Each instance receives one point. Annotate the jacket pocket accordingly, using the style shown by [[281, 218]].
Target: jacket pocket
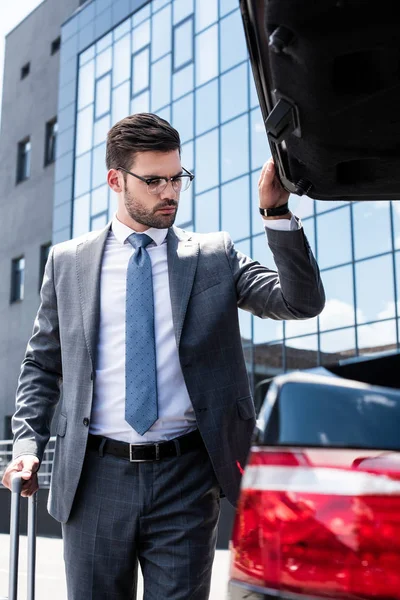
[[246, 408], [61, 425]]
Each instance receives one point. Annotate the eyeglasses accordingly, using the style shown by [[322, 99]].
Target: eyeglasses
[[156, 185]]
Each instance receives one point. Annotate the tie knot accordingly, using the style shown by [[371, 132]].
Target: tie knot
[[139, 240]]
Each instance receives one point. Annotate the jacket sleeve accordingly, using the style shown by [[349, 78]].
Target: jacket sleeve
[[294, 291], [40, 378]]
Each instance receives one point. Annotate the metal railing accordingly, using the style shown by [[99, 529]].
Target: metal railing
[[45, 467]]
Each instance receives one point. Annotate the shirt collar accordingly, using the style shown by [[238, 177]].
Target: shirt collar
[[122, 232]]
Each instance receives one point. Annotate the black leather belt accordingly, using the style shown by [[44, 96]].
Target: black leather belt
[[146, 452]]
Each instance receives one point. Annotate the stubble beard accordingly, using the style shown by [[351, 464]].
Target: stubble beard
[[150, 218]]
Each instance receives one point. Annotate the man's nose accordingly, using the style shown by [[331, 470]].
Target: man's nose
[[169, 191]]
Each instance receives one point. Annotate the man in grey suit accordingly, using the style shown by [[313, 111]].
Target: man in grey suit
[[139, 325]]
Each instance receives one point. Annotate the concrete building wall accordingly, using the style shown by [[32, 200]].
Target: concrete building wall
[[26, 208]]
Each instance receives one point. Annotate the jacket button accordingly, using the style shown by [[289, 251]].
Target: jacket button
[[86, 422]]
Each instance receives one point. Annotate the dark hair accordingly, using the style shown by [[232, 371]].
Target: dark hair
[[142, 132]]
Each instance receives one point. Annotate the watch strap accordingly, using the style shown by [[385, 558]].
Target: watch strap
[[278, 211]]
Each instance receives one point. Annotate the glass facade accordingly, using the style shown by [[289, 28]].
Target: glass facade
[[187, 61]]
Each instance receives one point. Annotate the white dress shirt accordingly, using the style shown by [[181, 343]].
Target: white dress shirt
[[175, 412]]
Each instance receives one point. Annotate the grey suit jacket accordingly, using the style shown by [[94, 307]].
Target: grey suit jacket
[[209, 279]]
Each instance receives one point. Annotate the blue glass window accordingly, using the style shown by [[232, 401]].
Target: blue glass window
[[140, 103], [207, 211], [81, 221], [161, 83], [99, 222], [396, 221], [233, 42], [141, 15], [122, 29], [122, 60], [103, 62], [377, 337], [86, 85], [182, 117], [372, 232], [104, 42], [332, 227], [103, 96], [84, 130], [82, 174], [339, 307], [120, 102], [207, 55], [183, 81], [101, 129], [337, 345], [86, 56], [161, 33], [234, 93], [235, 148], [99, 174], [141, 36], [374, 289], [182, 9], [207, 107], [302, 206], [183, 44], [206, 13], [260, 149], [295, 328], [324, 205], [100, 199], [207, 161], [226, 6], [235, 207], [140, 71]]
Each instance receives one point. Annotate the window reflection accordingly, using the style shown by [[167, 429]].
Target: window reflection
[[226, 6], [182, 117], [101, 129], [396, 221], [99, 172], [104, 42], [206, 13], [99, 222], [207, 107], [207, 161], [81, 221], [337, 345], [372, 234], [207, 55], [141, 36], [122, 60], [207, 211], [301, 327], [141, 15], [82, 174], [260, 150], [235, 198], [122, 29], [374, 288], [324, 205], [183, 81], [161, 33], [86, 85], [183, 44], [140, 103], [235, 148], [84, 130], [140, 71], [161, 83], [339, 307], [103, 62], [234, 93], [120, 102], [182, 9], [103, 96], [233, 43], [301, 352], [100, 199], [302, 206], [377, 337], [332, 227]]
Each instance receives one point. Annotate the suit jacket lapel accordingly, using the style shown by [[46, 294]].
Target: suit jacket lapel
[[183, 254], [89, 256]]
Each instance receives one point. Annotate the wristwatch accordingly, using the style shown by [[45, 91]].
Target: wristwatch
[[278, 211]]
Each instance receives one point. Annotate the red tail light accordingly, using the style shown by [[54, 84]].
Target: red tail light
[[320, 522]]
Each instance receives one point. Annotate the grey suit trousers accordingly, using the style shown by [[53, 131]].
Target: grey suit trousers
[[162, 515]]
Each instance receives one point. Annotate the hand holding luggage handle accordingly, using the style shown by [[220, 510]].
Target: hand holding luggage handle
[[16, 486]]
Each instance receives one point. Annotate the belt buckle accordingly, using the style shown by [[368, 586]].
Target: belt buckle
[[140, 460]]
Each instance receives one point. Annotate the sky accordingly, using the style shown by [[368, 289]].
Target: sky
[[12, 13]]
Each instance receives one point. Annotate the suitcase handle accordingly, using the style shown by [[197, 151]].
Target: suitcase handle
[[16, 486]]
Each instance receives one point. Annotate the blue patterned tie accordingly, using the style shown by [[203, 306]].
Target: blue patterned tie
[[140, 371]]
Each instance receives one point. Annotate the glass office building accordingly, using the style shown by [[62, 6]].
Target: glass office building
[[187, 61]]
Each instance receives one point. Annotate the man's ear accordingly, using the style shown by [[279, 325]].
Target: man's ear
[[115, 180]]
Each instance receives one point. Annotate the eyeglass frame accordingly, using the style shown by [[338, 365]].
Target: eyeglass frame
[[149, 180]]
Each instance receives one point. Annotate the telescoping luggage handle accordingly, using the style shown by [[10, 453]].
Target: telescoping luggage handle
[[16, 486]]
